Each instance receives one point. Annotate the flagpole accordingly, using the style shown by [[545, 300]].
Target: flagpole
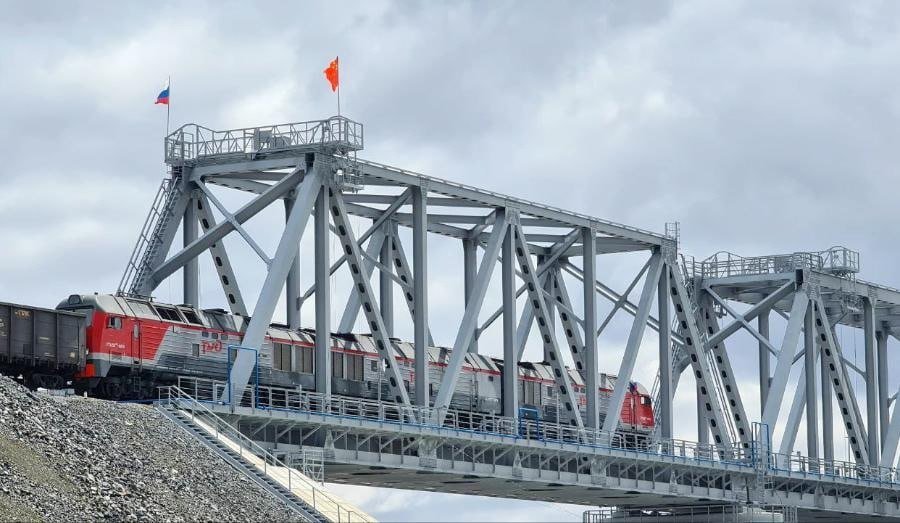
[[338, 60], [169, 104]]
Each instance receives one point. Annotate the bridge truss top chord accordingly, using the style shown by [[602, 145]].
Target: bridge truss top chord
[[314, 169]]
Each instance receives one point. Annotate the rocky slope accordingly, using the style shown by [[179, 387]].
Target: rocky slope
[[77, 459]]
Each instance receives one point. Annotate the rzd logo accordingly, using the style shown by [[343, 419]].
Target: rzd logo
[[210, 346]]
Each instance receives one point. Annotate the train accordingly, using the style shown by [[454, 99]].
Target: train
[[132, 345]]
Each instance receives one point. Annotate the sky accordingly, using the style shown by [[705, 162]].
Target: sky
[[762, 127]]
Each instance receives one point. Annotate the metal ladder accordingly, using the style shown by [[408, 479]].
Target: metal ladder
[[150, 239], [237, 461]]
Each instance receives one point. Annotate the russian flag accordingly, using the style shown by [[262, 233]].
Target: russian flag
[[163, 97]]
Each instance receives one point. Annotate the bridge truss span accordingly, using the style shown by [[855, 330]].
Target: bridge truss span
[[539, 263]]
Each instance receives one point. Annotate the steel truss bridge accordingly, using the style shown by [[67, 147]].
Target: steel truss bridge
[[313, 168]]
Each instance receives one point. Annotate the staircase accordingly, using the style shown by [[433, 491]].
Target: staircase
[[150, 240], [259, 465]]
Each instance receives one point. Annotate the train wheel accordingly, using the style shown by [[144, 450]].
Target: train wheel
[[111, 389]]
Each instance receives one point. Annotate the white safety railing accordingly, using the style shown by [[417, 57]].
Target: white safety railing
[[320, 500], [735, 513], [837, 260], [192, 142], [294, 400]]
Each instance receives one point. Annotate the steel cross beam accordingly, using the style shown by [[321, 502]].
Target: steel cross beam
[[891, 437], [470, 317], [570, 327], [364, 289], [541, 314], [785, 359], [376, 224], [743, 320], [351, 310], [615, 297], [237, 226], [726, 375], [221, 229], [219, 255], [848, 408], [401, 264], [623, 378], [275, 278], [703, 372]]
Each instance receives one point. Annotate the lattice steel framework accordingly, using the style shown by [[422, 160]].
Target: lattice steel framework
[[312, 167]]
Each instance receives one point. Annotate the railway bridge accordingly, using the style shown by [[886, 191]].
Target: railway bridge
[[548, 283]]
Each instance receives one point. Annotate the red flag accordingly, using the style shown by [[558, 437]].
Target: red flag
[[331, 73]]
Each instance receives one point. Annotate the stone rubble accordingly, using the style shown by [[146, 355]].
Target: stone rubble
[[76, 459]]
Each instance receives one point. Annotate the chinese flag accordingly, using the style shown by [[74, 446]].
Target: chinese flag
[[331, 73]]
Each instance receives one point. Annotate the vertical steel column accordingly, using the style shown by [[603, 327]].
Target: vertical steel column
[[292, 284], [827, 414], [420, 292], [871, 379], [764, 371], [589, 266], [812, 408], [323, 295], [191, 269], [386, 284], [510, 381], [881, 338], [665, 357], [470, 270]]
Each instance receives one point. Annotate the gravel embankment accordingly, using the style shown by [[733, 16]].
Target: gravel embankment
[[77, 459]]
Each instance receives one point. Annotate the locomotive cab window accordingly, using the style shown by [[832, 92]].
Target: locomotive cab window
[[168, 313], [114, 322], [191, 317]]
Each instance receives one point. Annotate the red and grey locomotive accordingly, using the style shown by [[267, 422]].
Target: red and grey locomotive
[[135, 344]]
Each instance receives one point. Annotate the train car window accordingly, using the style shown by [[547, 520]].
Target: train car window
[[191, 316], [214, 335], [356, 368], [337, 365], [168, 314], [224, 337], [204, 334], [490, 378], [305, 360], [550, 391], [374, 365], [195, 348], [276, 349], [114, 322]]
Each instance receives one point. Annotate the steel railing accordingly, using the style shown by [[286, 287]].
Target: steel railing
[[836, 260], [270, 398], [718, 512], [294, 400], [320, 500], [192, 142]]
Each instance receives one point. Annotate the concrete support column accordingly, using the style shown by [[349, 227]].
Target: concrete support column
[[191, 270], [470, 270], [386, 284], [665, 356], [510, 379], [323, 295], [292, 284], [812, 409], [871, 380], [764, 371], [881, 338], [827, 414], [420, 295], [591, 372]]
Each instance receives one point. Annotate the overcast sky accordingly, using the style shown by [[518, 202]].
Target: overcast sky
[[763, 127]]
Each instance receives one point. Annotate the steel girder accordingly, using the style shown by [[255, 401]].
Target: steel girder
[[367, 297], [704, 373], [785, 359], [543, 318], [220, 259], [847, 405], [351, 310], [470, 318], [635, 336]]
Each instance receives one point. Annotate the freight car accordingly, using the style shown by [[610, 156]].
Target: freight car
[[137, 344], [44, 346]]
